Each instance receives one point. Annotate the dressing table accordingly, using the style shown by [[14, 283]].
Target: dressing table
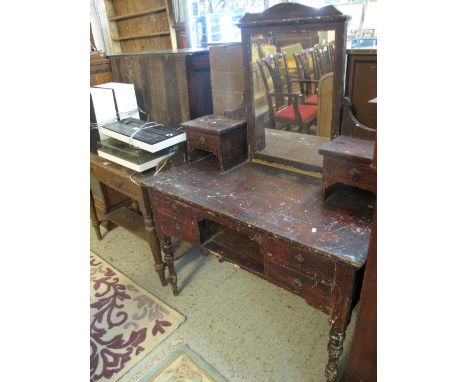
[[269, 218]]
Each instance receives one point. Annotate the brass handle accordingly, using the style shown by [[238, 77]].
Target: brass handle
[[117, 182], [296, 284], [201, 139], [355, 174], [299, 258]]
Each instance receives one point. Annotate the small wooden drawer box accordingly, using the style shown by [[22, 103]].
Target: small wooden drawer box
[[347, 160], [225, 138]]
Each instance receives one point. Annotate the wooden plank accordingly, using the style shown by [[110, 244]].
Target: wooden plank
[[142, 36], [136, 14]]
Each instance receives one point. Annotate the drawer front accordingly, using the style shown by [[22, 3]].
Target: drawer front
[[351, 173], [201, 141], [117, 182], [307, 263], [314, 292], [175, 219]]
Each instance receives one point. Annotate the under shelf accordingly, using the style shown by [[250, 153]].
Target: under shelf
[[236, 247], [130, 220]]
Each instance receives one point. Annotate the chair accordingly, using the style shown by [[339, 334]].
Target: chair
[[284, 105], [308, 81]]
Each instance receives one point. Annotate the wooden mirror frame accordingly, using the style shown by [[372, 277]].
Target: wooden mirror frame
[[281, 18]]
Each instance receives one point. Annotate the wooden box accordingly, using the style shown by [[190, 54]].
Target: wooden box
[[347, 160], [225, 138]]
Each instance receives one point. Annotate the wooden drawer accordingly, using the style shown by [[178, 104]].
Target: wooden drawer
[[115, 181], [314, 292], [352, 173], [176, 219], [203, 141], [310, 264]]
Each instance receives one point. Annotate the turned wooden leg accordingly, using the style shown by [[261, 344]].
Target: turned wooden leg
[[153, 241], [169, 260], [342, 296], [94, 219], [335, 349]]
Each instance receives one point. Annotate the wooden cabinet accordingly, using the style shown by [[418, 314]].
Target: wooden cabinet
[[171, 86], [361, 83]]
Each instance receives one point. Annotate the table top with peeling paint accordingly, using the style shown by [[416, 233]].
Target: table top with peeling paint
[[277, 202]]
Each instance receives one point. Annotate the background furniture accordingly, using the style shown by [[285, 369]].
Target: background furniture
[[361, 83], [225, 138], [171, 86], [136, 26], [138, 219], [100, 69]]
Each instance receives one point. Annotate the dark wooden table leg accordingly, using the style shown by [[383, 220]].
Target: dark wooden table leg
[[169, 260], [343, 293], [94, 219], [152, 238]]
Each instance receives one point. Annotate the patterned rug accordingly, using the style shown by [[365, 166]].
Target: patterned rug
[[127, 322], [183, 365]]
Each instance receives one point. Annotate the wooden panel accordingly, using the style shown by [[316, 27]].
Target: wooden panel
[[167, 88], [227, 77], [141, 25], [199, 85], [314, 292], [202, 141], [361, 83], [175, 219]]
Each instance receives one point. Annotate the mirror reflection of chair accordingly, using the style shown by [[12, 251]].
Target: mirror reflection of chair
[[308, 81], [322, 60], [284, 105]]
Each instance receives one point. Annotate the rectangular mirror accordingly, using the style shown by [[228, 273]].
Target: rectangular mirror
[[293, 59]]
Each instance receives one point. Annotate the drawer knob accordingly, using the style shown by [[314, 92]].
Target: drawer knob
[[117, 182], [201, 139], [355, 174], [296, 284], [299, 258]]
